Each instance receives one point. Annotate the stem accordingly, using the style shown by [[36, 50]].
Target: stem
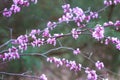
[[21, 75]]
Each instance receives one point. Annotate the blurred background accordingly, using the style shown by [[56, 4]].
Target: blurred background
[[36, 16]]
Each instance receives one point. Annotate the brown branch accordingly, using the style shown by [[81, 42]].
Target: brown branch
[[21, 75], [111, 11]]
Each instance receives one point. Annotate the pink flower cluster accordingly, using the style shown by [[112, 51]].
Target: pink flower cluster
[[43, 77], [113, 40], [75, 33], [37, 42], [111, 2], [115, 24], [91, 74], [22, 42], [16, 7], [51, 25], [11, 54], [77, 15], [77, 51], [98, 32], [99, 65], [34, 32], [72, 65]]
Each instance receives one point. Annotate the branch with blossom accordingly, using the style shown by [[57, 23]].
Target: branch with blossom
[[42, 77], [16, 7], [38, 38]]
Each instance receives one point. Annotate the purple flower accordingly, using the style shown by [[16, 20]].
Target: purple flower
[[72, 65], [67, 17], [51, 41], [91, 74], [107, 40], [77, 51], [26, 3], [110, 23], [66, 8], [34, 32], [78, 12], [118, 46], [46, 33], [115, 40], [99, 65], [23, 47], [43, 77], [98, 32], [12, 54], [37, 42], [87, 18], [55, 60], [108, 2], [21, 39], [51, 25], [94, 15], [7, 13], [117, 24], [16, 2], [15, 8], [75, 33]]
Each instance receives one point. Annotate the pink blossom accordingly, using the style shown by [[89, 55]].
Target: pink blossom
[[77, 51], [108, 2], [46, 33], [110, 23], [51, 25], [21, 39], [87, 18], [117, 24], [72, 65], [75, 33], [118, 46], [66, 8], [16, 2], [37, 42], [23, 47], [43, 77], [98, 32], [66, 18], [12, 54], [51, 41], [93, 15], [78, 12], [15, 8], [7, 13], [26, 3], [91, 74], [55, 60], [99, 65], [34, 32]]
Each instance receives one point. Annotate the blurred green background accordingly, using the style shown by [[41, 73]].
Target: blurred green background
[[36, 17]]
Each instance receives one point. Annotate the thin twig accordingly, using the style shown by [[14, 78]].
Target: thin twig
[[21, 75], [6, 43]]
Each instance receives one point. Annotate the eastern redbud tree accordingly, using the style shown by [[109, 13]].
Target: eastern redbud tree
[[52, 35]]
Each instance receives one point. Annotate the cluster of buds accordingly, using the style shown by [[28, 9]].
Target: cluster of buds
[[72, 65], [11, 54], [16, 7], [115, 24], [111, 2], [77, 15]]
